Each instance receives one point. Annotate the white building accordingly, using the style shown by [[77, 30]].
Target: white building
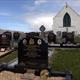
[[67, 19]]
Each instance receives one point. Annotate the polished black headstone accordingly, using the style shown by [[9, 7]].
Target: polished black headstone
[[68, 37], [51, 37], [35, 34], [8, 34], [33, 52], [16, 35], [4, 41]]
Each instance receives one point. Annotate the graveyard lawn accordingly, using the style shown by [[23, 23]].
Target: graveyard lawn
[[8, 57], [67, 59], [77, 39]]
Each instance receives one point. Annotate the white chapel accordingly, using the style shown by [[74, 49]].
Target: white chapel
[[67, 20]]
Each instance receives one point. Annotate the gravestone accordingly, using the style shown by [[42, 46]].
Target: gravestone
[[68, 36], [42, 34], [16, 35], [4, 41], [64, 36], [59, 37], [42, 28], [8, 34], [33, 52], [36, 34], [51, 37]]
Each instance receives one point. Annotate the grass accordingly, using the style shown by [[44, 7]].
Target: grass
[[9, 57], [77, 39], [67, 59]]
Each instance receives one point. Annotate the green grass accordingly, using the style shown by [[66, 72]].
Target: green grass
[[77, 39], [67, 59], [9, 57]]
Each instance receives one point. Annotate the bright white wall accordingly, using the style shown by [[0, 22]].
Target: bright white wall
[[58, 20]]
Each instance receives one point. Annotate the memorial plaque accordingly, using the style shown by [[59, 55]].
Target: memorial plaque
[[33, 52]]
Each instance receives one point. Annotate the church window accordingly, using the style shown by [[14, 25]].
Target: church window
[[66, 20]]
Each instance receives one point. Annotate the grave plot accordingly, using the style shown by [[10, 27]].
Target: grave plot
[[63, 40], [33, 54]]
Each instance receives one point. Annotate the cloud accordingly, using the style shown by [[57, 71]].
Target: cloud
[[34, 6], [35, 21], [4, 14], [38, 2]]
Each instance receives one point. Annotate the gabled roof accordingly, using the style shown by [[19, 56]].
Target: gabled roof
[[67, 6]]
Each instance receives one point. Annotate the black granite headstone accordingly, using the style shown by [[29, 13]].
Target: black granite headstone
[[36, 34], [51, 37], [4, 41], [16, 35], [68, 36], [8, 34], [33, 52]]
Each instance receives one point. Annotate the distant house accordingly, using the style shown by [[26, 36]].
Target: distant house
[[67, 20]]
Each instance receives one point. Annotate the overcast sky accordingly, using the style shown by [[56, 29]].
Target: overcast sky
[[29, 15]]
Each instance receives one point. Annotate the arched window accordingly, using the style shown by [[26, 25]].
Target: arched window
[[66, 20]]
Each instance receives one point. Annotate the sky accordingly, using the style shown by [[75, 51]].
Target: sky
[[29, 15]]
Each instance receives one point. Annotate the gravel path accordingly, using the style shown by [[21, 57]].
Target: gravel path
[[6, 75]]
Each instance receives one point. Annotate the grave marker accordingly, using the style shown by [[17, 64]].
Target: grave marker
[[42, 34], [33, 52], [59, 37], [4, 41], [51, 37], [16, 35], [68, 36]]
